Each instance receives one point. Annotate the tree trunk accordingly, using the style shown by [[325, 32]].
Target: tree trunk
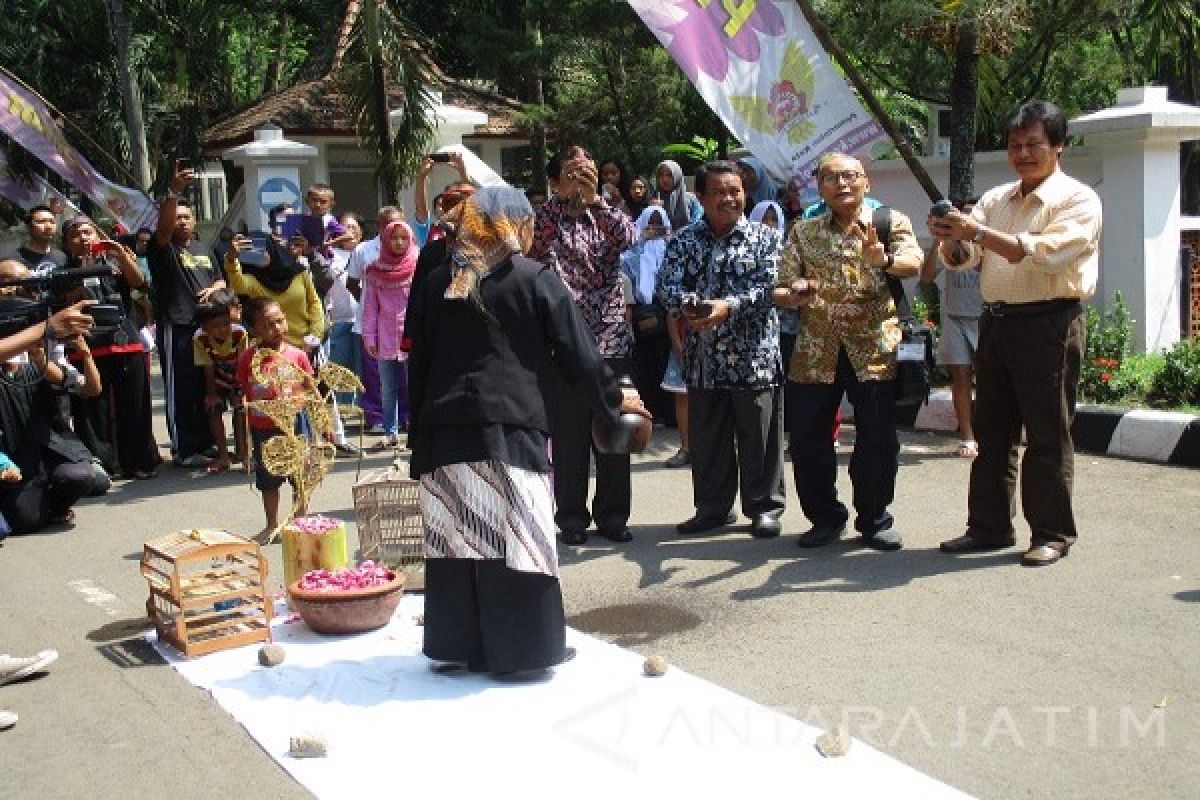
[[131, 94], [273, 80], [964, 94], [388, 178], [537, 136]]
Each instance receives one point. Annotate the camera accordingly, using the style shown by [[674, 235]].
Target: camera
[[694, 307], [440, 158], [941, 208], [51, 292]]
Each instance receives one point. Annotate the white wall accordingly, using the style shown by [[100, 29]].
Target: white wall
[[893, 184]]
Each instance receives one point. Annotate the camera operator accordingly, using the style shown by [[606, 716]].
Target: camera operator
[[183, 275], [116, 425], [55, 467]]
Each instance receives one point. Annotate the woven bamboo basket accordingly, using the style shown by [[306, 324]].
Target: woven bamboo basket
[[390, 529]]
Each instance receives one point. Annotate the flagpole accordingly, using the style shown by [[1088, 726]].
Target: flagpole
[[856, 79]]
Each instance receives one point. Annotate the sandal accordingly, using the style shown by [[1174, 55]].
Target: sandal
[[968, 448], [217, 467]]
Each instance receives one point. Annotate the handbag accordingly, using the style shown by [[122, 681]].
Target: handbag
[[914, 354], [649, 319]]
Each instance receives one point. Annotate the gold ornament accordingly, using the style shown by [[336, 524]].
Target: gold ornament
[[304, 459]]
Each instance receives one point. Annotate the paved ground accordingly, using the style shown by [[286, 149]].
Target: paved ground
[[1003, 681]]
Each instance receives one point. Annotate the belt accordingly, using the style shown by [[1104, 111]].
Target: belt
[[1030, 309]]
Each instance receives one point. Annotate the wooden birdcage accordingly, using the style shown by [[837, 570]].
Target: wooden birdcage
[[390, 529], [207, 591]]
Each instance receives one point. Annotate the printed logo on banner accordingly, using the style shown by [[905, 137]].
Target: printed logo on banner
[[760, 67]]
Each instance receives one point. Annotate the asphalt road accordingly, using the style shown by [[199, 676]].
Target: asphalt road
[[1075, 681]]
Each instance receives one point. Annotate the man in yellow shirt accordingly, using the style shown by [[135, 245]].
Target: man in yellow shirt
[[1035, 242]]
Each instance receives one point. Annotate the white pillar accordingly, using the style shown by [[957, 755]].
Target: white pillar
[[1138, 141], [272, 166]]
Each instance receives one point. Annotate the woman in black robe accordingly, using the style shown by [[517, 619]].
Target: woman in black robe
[[482, 327]]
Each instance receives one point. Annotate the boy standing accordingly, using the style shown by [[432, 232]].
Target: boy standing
[[216, 347]]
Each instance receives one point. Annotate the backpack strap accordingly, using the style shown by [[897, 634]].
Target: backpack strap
[[881, 218]]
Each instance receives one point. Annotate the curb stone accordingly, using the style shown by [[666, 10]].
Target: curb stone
[[1164, 437]]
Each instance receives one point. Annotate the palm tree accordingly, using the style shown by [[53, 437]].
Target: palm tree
[[381, 58]]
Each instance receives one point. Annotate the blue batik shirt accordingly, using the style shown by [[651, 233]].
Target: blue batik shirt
[[740, 268]]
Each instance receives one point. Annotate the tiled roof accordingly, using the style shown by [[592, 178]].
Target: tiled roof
[[316, 106]]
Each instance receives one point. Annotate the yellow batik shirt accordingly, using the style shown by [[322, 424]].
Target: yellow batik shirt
[[853, 307]]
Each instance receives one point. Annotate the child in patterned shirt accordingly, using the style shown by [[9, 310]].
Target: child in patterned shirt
[[215, 348]]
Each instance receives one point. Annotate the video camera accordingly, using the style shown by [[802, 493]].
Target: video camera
[[52, 293]]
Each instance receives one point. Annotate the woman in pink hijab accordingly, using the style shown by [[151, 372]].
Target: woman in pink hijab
[[387, 283]]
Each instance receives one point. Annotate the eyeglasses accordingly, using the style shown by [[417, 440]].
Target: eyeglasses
[[845, 175], [1030, 147]]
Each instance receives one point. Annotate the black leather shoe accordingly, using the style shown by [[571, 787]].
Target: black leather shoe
[[573, 537], [699, 524], [970, 543], [821, 535], [765, 526], [620, 537], [1043, 555]]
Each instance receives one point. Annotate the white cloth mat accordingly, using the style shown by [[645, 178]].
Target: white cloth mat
[[596, 728]]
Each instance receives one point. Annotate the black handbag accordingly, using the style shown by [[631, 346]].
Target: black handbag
[[914, 354]]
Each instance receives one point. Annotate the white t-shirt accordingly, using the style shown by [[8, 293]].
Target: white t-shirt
[[341, 304], [363, 256]]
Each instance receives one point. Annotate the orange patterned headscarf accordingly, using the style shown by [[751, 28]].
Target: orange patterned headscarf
[[490, 226]]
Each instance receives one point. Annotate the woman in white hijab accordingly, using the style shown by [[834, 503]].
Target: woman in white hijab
[[652, 344], [671, 191], [769, 213]]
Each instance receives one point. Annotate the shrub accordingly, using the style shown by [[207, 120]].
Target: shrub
[[1106, 350], [1136, 375], [1178, 383]]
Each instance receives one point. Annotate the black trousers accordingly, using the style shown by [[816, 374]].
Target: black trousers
[[117, 424], [30, 507], [492, 618], [811, 409], [736, 434], [650, 362], [571, 444], [187, 421], [1026, 375]]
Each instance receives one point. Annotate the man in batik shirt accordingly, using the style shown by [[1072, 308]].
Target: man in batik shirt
[[581, 237], [834, 269], [720, 273]]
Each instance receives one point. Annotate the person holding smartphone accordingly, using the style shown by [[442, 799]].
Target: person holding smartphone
[[116, 425]]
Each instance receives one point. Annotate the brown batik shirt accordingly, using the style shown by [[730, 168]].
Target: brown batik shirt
[[853, 307]]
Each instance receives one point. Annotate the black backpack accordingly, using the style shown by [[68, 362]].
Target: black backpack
[[914, 355]]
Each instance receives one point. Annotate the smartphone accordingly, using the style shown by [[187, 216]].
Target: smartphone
[[98, 247], [256, 255], [440, 158]]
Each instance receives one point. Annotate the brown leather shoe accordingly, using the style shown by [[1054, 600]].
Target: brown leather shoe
[[1043, 555], [970, 543]]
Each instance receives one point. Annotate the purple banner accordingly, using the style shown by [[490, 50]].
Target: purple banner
[[27, 120]]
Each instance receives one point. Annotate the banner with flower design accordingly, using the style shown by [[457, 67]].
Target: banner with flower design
[[38, 192], [760, 67], [25, 118]]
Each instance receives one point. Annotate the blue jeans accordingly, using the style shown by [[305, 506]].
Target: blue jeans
[[344, 347], [393, 382]]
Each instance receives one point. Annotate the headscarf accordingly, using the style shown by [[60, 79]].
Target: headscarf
[[760, 211], [652, 251], [765, 190], [675, 201], [280, 271], [490, 226], [391, 268]]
